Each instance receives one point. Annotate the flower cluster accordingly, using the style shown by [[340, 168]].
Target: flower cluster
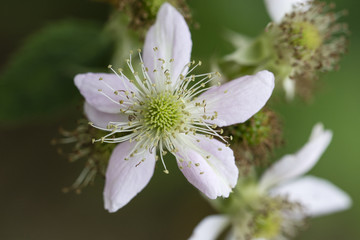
[[275, 206], [304, 39], [160, 108], [164, 108], [309, 38]]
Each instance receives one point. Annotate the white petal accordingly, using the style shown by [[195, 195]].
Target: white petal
[[171, 35], [318, 196], [292, 166], [89, 86], [214, 176], [289, 87], [101, 119], [317, 131], [278, 8], [126, 178], [210, 227], [236, 101]]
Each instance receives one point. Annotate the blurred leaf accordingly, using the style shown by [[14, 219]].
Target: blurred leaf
[[38, 79], [249, 51], [125, 39]]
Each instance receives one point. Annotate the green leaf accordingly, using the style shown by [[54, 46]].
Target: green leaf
[[38, 79]]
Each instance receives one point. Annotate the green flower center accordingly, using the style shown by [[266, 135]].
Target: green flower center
[[308, 35], [164, 113], [268, 226]]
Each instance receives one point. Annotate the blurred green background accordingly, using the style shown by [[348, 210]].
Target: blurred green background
[[39, 100]]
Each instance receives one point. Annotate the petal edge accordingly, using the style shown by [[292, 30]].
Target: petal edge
[[126, 178]]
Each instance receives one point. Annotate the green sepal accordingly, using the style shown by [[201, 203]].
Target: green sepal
[[249, 51]]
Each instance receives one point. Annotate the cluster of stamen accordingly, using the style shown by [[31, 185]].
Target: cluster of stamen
[[96, 157], [273, 218], [164, 113], [143, 13], [159, 108], [255, 214], [310, 40]]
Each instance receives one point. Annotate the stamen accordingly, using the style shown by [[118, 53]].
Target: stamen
[[160, 110]]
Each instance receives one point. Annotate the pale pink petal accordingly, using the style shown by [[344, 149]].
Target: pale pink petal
[[94, 90], [171, 35], [317, 196], [236, 101], [102, 119], [293, 166], [126, 178], [209, 165], [210, 227], [278, 8]]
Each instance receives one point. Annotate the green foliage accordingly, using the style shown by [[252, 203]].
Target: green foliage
[[38, 79]]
